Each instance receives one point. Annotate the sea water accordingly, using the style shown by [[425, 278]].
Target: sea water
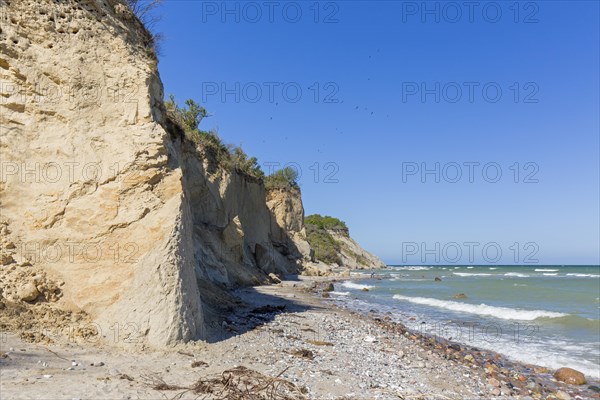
[[543, 315]]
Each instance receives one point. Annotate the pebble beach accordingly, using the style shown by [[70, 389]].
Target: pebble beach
[[298, 342]]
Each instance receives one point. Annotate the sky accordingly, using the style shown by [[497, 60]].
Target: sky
[[440, 132]]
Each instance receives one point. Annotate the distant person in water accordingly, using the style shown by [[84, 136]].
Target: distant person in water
[[372, 273]]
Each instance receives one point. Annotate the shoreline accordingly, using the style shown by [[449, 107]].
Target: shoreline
[[287, 333]]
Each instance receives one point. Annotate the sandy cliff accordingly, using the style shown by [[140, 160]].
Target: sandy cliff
[[105, 207]]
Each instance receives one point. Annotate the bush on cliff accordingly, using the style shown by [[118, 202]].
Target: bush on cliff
[[227, 156], [326, 222], [285, 178], [326, 248]]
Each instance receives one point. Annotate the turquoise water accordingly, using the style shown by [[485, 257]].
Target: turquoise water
[[544, 315]]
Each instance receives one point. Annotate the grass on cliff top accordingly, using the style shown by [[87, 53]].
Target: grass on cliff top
[[145, 12], [227, 156]]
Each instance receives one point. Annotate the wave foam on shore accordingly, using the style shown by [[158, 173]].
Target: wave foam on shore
[[482, 309], [357, 286]]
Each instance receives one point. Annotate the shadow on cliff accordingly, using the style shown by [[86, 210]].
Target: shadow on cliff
[[237, 241]]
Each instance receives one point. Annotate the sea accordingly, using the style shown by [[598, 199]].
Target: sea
[[542, 315]]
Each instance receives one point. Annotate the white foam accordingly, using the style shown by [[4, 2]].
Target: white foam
[[470, 274], [493, 268], [516, 274], [549, 274], [340, 293], [584, 275], [470, 267], [357, 286], [482, 309], [545, 270], [414, 268]]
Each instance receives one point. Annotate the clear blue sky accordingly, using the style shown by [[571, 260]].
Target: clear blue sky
[[363, 116]]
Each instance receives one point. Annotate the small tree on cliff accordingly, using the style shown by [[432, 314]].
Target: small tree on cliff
[[282, 179], [227, 156], [193, 115]]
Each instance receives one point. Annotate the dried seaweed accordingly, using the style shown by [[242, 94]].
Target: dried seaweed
[[239, 383]]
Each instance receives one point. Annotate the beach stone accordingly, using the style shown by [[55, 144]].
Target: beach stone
[[569, 375], [454, 346], [496, 392], [365, 289], [494, 382], [6, 259], [459, 296], [329, 287], [560, 395], [28, 292], [594, 388], [274, 278], [438, 279], [469, 358]]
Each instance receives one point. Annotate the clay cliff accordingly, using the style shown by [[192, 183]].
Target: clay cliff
[[106, 209]]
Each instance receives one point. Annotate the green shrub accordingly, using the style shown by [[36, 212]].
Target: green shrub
[[325, 222], [285, 178], [226, 156], [326, 248]]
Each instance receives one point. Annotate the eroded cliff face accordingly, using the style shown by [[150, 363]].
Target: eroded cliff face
[[90, 194], [237, 240], [287, 214], [97, 198], [353, 256], [108, 215]]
